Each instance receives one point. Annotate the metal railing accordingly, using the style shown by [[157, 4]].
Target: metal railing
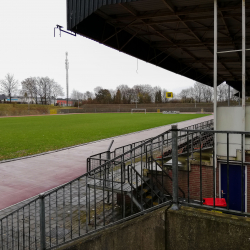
[[123, 185], [97, 159], [217, 177], [104, 195]]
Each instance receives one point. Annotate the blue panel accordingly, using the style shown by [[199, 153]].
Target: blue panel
[[235, 181]]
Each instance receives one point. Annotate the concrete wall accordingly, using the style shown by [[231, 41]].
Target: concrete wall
[[141, 233], [186, 229], [194, 181], [191, 228]]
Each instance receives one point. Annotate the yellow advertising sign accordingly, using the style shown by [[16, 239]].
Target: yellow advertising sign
[[53, 111], [169, 94]]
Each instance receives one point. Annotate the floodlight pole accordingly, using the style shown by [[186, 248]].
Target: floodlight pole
[[67, 78]]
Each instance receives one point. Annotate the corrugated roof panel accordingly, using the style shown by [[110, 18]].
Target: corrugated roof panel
[[180, 3], [77, 10], [148, 5], [113, 9]]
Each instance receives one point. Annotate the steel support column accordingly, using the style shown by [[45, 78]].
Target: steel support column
[[243, 55], [175, 205], [244, 72], [215, 83]]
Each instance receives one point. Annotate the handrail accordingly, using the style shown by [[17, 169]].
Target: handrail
[[144, 142], [151, 188], [168, 175]]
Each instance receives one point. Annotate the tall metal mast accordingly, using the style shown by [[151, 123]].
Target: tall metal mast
[[67, 77]]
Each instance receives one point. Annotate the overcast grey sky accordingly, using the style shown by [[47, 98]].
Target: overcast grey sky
[[28, 48]]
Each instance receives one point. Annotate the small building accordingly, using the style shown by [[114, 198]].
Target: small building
[[21, 99], [2, 98], [63, 102], [14, 99]]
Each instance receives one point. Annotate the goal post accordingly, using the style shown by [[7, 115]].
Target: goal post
[[138, 111]]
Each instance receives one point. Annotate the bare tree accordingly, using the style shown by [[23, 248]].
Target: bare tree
[[198, 91], [48, 89], [74, 94], [156, 95], [144, 92], [112, 93], [97, 89], [164, 98], [9, 85], [81, 96], [29, 86], [125, 93], [207, 93], [77, 95], [88, 96], [184, 94], [43, 85], [118, 97], [57, 90], [222, 91]]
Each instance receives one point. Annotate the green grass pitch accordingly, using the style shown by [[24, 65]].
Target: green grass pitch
[[22, 136]]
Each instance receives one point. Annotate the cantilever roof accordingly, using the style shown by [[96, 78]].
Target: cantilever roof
[[176, 35]]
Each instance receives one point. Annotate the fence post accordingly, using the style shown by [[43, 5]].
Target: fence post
[[42, 222], [175, 205], [107, 166]]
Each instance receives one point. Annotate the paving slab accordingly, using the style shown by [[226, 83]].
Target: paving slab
[[26, 177]]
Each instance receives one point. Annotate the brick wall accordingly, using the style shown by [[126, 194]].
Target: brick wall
[[194, 182]]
